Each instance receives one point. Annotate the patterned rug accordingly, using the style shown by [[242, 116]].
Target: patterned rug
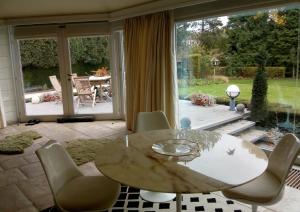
[[130, 201]]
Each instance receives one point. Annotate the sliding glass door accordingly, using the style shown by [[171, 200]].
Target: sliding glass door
[[40, 76], [69, 70], [91, 74]]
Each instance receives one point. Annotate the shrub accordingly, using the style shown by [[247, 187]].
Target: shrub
[[259, 96], [225, 101], [202, 99], [219, 78], [272, 72], [276, 72]]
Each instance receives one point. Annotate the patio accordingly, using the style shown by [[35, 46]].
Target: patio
[[56, 108], [23, 186], [208, 117]]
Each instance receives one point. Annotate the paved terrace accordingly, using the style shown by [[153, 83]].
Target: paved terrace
[[56, 108], [207, 117]]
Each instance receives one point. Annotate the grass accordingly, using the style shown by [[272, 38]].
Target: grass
[[283, 91]]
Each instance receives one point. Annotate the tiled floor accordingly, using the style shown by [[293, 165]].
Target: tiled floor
[[23, 185]]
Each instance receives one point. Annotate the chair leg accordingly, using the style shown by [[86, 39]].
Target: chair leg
[[254, 208], [78, 101], [94, 98]]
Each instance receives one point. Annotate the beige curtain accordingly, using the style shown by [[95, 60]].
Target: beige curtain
[[2, 115], [150, 84]]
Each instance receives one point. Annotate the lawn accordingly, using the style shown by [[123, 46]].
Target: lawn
[[284, 91]]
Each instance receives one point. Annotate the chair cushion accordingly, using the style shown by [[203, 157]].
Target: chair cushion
[[263, 189], [88, 193]]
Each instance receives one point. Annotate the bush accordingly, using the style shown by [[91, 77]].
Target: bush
[[202, 99], [276, 72], [259, 96], [219, 78], [225, 101], [272, 72]]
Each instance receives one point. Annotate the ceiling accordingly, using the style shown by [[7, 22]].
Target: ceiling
[[31, 8]]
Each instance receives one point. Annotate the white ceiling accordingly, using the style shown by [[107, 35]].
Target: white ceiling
[[30, 8]]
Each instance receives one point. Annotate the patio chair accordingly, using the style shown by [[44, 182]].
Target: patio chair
[[72, 191], [106, 92], [85, 92], [268, 188], [147, 121], [73, 75], [56, 85]]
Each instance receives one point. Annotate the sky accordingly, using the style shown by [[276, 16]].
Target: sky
[[224, 20]]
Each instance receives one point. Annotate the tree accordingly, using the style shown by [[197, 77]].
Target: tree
[[274, 31], [38, 53], [259, 95], [42, 53]]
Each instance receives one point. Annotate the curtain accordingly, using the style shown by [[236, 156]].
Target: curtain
[[150, 82], [2, 115]]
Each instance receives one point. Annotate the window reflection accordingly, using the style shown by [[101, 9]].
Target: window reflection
[[257, 52]]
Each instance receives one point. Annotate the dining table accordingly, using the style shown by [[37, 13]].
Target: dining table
[[181, 161]]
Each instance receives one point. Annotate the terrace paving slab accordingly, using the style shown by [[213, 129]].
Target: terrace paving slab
[[235, 127], [208, 117], [56, 108]]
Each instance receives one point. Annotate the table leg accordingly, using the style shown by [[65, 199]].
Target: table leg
[[178, 202]]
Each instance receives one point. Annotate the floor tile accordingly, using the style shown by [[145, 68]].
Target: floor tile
[[31, 158], [13, 163], [11, 176], [32, 148], [29, 209], [32, 170], [289, 202], [4, 157], [43, 202], [35, 189], [12, 199]]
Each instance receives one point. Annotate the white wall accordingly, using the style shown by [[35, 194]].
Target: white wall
[[6, 78]]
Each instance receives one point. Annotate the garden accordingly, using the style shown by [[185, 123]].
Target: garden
[[258, 52]]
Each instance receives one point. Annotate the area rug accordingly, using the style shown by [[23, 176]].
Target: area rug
[[84, 150], [15, 144], [129, 200]]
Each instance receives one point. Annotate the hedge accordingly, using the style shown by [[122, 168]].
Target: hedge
[[272, 72]]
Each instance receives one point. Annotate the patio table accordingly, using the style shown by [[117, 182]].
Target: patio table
[[215, 162], [98, 80]]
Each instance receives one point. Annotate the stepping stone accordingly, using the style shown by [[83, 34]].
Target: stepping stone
[[252, 135], [235, 127]]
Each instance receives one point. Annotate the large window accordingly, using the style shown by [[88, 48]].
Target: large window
[[259, 54]]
